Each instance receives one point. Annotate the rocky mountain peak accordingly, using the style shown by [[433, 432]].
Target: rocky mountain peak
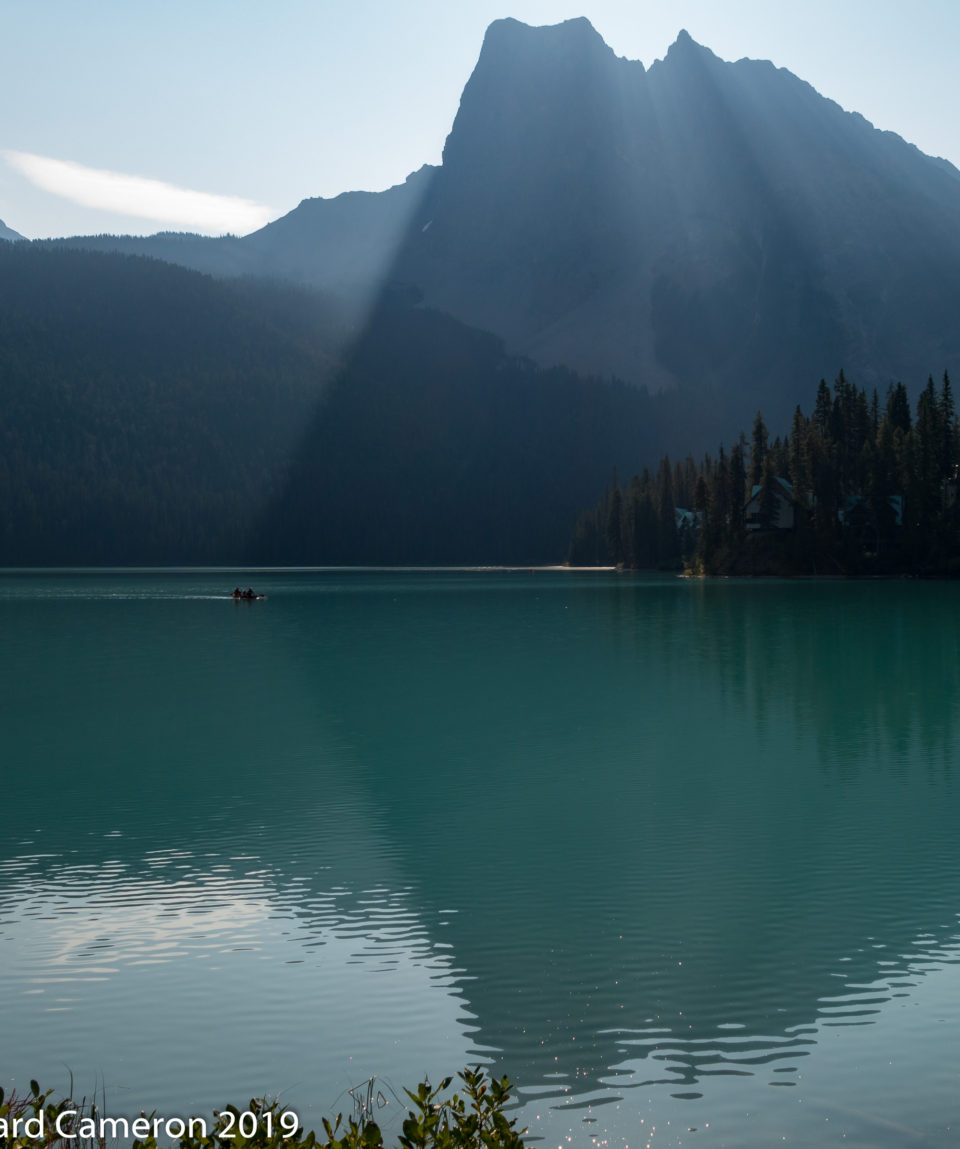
[[513, 35]]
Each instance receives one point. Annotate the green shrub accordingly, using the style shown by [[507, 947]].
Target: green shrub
[[472, 1118]]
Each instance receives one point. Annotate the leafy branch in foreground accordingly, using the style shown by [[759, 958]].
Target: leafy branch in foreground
[[472, 1118], [36, 1122]]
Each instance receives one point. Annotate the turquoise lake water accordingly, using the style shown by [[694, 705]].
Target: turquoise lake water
[[681, 858]]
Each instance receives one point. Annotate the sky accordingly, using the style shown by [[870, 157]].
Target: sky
[[137, 116]]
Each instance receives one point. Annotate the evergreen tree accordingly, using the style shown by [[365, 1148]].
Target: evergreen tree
[[738, 493], [667, 542], [685, 482], [797, 470], [700, 495], [758, 449], [898, 408], [853, 469], [823, 408], [614, 527], [769, 496], [779, 455], [948, 429], [928, 440]]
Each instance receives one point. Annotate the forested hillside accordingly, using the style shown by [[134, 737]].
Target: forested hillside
[[435, 446], [154, 415], [148, 412]]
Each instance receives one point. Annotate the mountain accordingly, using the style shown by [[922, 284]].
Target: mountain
[[700, 222], [153, 414], [714, 236], [695, 224], [8, 232], [433, 445], [149, 413]]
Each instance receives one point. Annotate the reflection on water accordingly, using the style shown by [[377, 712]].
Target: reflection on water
[[218, 982], [670, 854]]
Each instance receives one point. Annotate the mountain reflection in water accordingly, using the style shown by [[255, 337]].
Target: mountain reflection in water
[[649, 846]]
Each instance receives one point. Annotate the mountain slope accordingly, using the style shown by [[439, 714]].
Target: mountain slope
[[697, 223], [152, 414], [700, 221], [432, 445], [149, 413], [8, 232]]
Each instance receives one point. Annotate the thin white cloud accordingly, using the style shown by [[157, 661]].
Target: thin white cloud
[[137, 196]]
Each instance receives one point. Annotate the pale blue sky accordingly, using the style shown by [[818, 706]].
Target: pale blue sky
[[271, 102]]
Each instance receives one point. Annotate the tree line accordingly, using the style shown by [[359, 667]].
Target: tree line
[[147, 413], [152, 415], [859, 486]]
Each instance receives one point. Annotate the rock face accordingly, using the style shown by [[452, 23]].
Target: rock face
[[700, 222], [546, 202]]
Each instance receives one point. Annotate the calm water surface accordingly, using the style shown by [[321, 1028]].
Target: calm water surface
[[682, 859]]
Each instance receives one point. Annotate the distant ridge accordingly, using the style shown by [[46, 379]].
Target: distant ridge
[[8, 232]]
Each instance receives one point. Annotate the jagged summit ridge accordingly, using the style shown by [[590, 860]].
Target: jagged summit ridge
[[696, 222], [684, 43], [686, 51], [513, 50], [509, 30]]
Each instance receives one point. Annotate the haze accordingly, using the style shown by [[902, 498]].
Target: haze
[[215, 118]]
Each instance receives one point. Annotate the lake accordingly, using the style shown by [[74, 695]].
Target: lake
[[681, 858]]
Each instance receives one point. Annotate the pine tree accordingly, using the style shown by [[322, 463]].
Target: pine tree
[[614, 527], [898, 408], [928, 438], [797, 469], [758, 449], [668, 550], [769, 500], [823, 408], [948, 427], [738, 496]]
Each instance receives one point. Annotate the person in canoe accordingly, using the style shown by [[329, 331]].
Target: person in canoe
[[249, 593]]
